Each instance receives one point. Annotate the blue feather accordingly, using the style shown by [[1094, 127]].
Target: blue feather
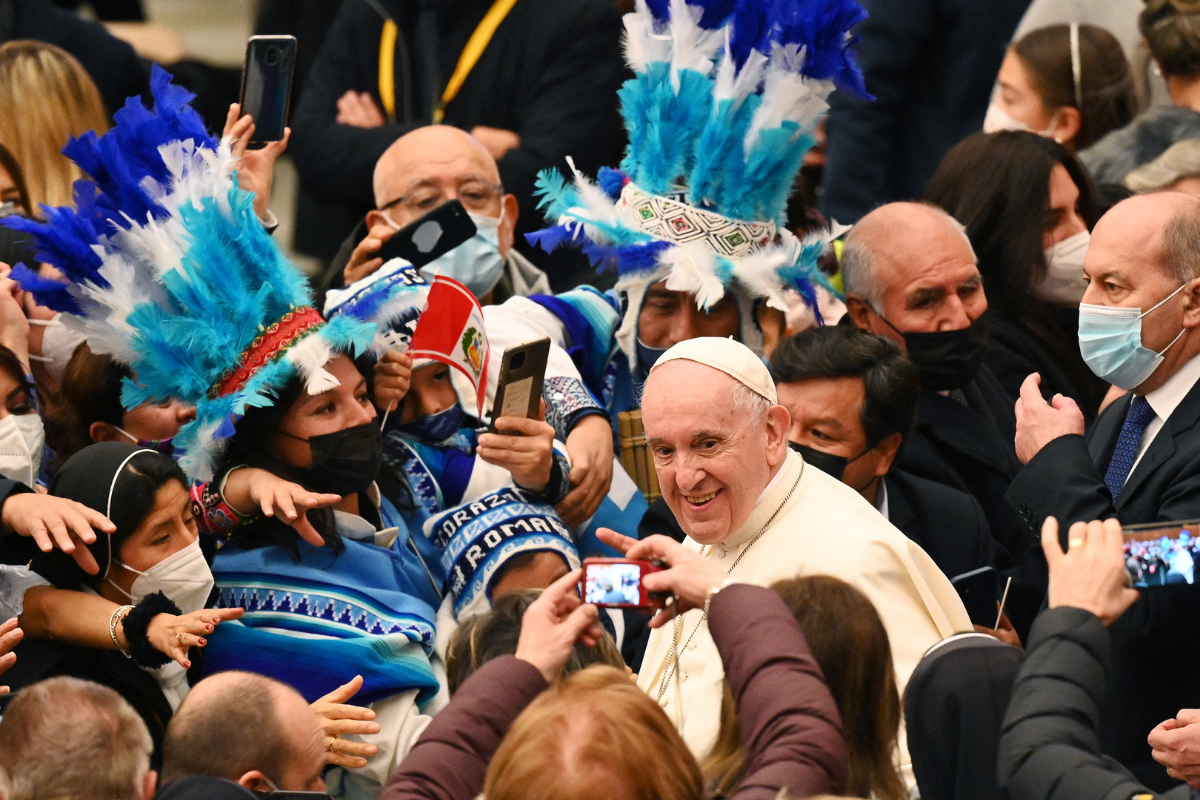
[[611, 181], [54, 295]]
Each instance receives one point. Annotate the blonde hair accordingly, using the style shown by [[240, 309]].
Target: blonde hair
[[593, 734], [46, 97]]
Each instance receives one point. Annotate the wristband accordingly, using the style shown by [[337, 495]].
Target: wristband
[[121, 613], [713, 593], [137, 627]]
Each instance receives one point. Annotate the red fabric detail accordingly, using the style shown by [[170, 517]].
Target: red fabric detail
[[281, 335]]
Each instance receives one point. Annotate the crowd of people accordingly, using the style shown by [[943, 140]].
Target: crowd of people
[[872, 379]]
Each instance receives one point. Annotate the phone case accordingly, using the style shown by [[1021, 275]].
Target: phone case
[[427, 238], [266, 92], [522, 371]]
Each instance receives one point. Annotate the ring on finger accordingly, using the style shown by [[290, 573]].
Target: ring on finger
[[332, 739], [1075, 543], [179, 638]]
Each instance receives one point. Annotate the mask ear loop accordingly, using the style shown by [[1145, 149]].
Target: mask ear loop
[[108, 506]]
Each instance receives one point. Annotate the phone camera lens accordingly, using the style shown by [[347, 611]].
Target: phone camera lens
[[272, 55], [518, 360]]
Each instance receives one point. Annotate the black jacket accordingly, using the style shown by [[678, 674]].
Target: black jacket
[[550, 74], [1157, 642], [970, 448], [1015, 352], [112, 63], [953, 707], [947, 523], [1049, 746], [930, 65]]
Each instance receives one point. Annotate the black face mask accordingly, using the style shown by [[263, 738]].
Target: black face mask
[[946, 359], [832, 465], [343, 462]]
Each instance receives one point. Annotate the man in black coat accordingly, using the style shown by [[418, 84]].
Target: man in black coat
[[1140, 462], [112, 63], [930, 65], [545, 87], [910, 275], [853, 398]]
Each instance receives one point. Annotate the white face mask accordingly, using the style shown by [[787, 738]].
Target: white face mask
[[183, 577], [1064, 284], [22, 441], [997, 119], [58, 345], [476, 263]]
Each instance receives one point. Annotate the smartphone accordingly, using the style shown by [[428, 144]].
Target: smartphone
[[266, 91], [617, 583], [428, 237], [1160, 554], [519, 389], [979, 590]]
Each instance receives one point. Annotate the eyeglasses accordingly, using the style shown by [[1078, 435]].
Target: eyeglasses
[[476, 196]]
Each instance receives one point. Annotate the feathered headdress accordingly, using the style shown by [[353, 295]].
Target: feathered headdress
[[724, 104], [169, 270]]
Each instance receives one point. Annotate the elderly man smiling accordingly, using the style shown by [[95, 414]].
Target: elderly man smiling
[[753, 506]]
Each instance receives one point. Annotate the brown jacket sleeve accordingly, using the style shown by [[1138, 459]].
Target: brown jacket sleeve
[[791, 732], [450, 760]]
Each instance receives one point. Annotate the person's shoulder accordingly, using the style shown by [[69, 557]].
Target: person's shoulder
[[929, 493]]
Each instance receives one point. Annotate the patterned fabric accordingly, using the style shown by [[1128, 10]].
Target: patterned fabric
[[675, 221], [213, 515], [567, 402], [1128, 443]]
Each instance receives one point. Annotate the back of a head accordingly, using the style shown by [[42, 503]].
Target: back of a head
[[486, 636], [68, 739], [228, 725], [1105, 100], [593, 734], [891, 384], [849, 642], [1180, 255], [91, 392], [1172, 31], [998, 186], [46, 97]]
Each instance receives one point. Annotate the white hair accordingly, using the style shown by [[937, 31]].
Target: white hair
[[749, 404]]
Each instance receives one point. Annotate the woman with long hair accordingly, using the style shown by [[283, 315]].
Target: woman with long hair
[[1027, 207], [46, 97]]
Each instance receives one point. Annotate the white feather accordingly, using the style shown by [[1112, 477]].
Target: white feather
[[199, 461], [642, 45], [596, 207], [693, 270], [787, 95], [734, 84], [758, 273], [309, 357], [692, 47]]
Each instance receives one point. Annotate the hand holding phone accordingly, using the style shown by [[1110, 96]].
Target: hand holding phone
[[266, 93], [431, 236], [617, 583], [519, 389], [979, 590]]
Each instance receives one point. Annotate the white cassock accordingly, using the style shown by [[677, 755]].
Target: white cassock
[[825, 528]]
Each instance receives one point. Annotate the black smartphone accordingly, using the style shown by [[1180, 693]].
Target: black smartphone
[[617, 583], [519, 389], [428, 237], [979, 590], [1162, 553], [266, 91]]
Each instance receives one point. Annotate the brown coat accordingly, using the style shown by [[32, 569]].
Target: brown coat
[[789, 723]]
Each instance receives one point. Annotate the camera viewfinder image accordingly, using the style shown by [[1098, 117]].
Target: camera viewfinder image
[[613, 584], [1161, 557]]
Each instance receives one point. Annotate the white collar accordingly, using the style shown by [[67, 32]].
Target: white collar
[[772, 483], [881, 499], [1166, 398]]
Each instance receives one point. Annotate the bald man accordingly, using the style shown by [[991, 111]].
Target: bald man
[[910, 275], [1140, 462], [419, 172], [245, 728]]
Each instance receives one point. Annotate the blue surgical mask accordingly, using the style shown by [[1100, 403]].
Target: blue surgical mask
[[476, 263], [1110, 340], [648, 356], [435, 428]]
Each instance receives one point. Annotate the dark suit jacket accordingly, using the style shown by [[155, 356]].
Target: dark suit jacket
[[970, 448], [1156, 644], [947, 523]]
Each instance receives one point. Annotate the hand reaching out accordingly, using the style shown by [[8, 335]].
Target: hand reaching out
[[56, 521], [174, 635], [553, 623], [10, 637], [339, 719], [249, 489], [690, 578], [255, 168]]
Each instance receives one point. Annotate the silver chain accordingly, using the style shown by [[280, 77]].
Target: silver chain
[[671, 654]]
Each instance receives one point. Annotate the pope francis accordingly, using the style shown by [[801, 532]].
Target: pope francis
[[750, 504]]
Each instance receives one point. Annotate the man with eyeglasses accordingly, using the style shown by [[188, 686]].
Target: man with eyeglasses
[[421, 171]]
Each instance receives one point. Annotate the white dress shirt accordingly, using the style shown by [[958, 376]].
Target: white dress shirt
[[1164, 400]]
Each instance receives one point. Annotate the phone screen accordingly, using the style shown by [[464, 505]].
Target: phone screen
[[613, 584], [1163, 555], [267, 85]]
